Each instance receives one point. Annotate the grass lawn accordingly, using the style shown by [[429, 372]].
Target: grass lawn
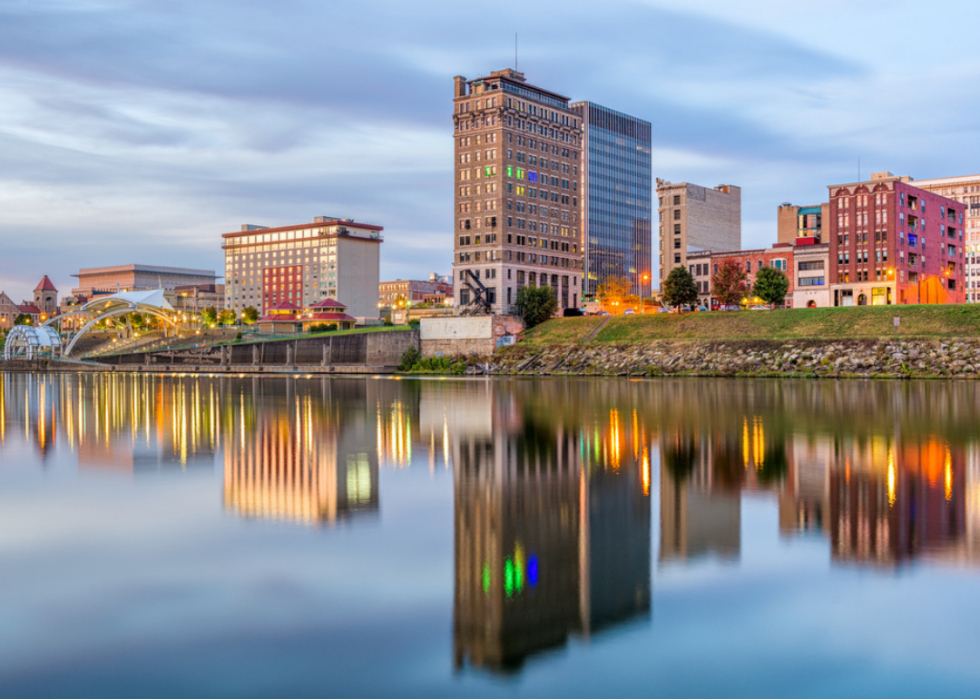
[[960, 320]]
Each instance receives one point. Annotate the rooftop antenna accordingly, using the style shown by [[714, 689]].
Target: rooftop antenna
[[859, 168], [515, 52]]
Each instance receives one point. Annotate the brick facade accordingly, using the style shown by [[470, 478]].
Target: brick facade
[[517, 213], [893, 243]]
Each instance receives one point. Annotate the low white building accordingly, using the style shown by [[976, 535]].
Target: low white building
[[811, 286]]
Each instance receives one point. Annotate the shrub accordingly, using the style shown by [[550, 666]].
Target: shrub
[[410, 358], [440, 365], [414, 323]]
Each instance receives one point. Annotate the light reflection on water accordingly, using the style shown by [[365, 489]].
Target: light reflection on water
[[566, 501]]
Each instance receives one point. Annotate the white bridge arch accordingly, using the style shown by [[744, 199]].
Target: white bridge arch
[[151, 302]]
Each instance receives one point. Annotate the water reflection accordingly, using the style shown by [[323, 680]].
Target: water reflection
[[302, 451], [118, 422], [552, 522], [852, 462], [555, 481]]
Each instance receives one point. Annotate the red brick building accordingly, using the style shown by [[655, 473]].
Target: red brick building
[[703, 266], [892, 243], [415, 291]]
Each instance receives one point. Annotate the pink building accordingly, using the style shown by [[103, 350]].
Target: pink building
[[893, 243]]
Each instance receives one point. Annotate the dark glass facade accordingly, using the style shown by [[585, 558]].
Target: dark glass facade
[[617, 196]]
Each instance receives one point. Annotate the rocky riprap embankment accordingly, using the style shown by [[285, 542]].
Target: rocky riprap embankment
[[846, 358]]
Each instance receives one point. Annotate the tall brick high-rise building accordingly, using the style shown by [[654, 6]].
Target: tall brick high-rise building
[[518, 154]]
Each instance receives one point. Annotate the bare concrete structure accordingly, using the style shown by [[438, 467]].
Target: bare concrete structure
[[465, 336], [696, 218], [517, 204]]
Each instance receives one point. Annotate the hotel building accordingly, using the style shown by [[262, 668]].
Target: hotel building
[[694, 218], [966, 191], [304, 264], [518, 154], [893, 243], [616, 198]]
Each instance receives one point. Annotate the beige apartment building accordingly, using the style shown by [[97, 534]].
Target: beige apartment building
[[517, 204], [304, 264], [966, 190], [694, 218]]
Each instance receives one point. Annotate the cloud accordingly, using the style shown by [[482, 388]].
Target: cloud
[[133, 127]]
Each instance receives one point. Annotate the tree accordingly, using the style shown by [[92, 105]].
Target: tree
[[771, 285], [536, 304], [137, 320], [614, 294], [23, 319], [210, 315], [226, 317], [729, 284], [250, 315], [679, 288]]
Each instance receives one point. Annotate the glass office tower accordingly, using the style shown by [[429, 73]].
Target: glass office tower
[[617, 194]]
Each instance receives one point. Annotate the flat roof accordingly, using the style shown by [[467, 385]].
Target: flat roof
[[146, 269], [960, 179], [315, 224], [517, 83]]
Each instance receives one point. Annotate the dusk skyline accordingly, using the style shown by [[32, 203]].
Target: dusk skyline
[[138, 132]]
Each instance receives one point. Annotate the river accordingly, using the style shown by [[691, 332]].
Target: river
[[190, 536]]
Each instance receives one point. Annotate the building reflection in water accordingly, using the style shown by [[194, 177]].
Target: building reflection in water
[[856, 464], [121, 422], [552, 522], [309, 451]]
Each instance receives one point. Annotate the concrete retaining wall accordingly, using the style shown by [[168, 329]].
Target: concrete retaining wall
[[464, 336], [369, 350]]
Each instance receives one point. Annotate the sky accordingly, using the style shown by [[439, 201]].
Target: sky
[[139, 131]]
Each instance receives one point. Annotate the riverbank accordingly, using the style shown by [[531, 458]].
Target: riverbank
[[905, 359]]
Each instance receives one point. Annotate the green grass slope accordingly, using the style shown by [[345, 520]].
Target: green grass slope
[[940, 321]]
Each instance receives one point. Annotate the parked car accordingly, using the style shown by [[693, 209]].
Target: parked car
[[602, 313], [573, 312], [701, 308], [663, 310], [629, 312], [759, 308]]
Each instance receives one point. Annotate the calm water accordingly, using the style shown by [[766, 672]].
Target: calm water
[[195, 536]]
